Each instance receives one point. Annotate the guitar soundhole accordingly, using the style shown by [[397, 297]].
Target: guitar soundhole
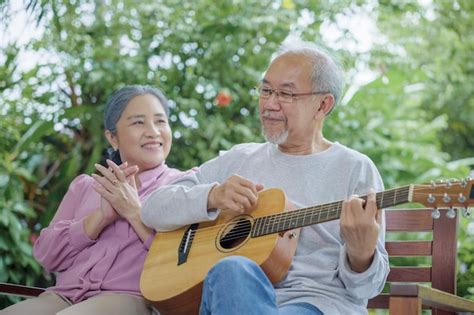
[[235, 233]]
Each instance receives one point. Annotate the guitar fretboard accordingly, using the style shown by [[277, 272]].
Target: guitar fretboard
[[280, 222]]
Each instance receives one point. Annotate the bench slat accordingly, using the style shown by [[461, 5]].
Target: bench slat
[[409, 220], [409, 248], [409, 274]]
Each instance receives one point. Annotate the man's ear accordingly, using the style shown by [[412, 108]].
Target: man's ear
[[326, 104], [112, 139]]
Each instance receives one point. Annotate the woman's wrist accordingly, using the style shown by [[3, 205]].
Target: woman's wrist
[[134, 217], [140, 228]]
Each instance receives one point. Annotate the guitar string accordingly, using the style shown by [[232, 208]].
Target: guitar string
[[297, 215], [323, 209], [327, 209], [274, 227], [286, 217], [300, 216], [243, 231], [292, 215]]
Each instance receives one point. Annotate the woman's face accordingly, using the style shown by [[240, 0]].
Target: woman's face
[[143, 134]]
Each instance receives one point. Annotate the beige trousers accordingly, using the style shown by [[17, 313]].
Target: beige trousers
[[50, 303]]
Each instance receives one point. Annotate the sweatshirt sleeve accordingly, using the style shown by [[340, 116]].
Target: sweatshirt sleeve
[[369, 283], [184, 202], [60, 242]]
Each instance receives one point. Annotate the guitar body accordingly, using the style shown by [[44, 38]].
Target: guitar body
[[176, 288]]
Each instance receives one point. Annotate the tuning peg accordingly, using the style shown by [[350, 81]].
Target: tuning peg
[[466, 212], [431, 198], [433, 184], [451, 214], [435, 214], [464, 183], [446, 198]]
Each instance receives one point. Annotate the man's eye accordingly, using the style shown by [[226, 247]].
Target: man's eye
[[286, 93], [266, 90], [138, 122]]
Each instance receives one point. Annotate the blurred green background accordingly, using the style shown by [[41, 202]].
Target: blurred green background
[[408, 103]]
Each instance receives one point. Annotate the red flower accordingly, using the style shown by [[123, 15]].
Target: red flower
[[33, 237], [223, 99]]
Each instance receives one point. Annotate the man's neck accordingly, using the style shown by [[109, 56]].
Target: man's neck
[[319, 144]]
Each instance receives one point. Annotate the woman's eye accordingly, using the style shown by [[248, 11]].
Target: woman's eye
[[138, 122]]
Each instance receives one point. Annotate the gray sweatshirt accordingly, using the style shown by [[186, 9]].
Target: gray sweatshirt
[[320, 273]]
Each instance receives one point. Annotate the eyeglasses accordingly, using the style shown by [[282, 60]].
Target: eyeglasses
[[282, 95]]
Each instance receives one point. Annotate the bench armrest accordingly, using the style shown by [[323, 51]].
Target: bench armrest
[[19, 290], [432, 297]]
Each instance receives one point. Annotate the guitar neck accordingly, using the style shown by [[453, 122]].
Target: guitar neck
[[285, 221]]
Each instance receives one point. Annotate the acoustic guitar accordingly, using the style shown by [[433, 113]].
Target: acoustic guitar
[[178, 261]]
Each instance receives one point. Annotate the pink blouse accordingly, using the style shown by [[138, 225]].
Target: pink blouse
[[111, 263]]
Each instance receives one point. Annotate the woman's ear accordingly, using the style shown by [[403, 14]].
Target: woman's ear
[[112, 139]]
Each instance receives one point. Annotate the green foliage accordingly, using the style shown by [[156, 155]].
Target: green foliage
[[17, 185], [397, 133], [437, 39], [406, 119]]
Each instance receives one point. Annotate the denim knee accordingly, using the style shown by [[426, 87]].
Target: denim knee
[[235, 266], [237, 285]]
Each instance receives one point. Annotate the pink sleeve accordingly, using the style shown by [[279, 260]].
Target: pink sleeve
[[149, 240], [64, 238]]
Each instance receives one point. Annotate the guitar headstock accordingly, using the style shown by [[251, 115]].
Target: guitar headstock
[[445, 194]]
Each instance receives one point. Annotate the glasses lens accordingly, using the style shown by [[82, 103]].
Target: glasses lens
[[285, 96], [265, 92]]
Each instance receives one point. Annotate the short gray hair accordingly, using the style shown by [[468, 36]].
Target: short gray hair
[[327, 71], [120, 98]]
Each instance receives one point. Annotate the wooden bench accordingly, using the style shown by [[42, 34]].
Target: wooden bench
[[19, 290], [415, 288], [407, 296]]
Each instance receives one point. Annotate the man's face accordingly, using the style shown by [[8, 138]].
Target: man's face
[[288, 123]]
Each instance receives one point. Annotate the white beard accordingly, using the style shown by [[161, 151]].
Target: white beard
[[277, 138]]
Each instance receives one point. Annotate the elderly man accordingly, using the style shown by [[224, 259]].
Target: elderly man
[[338, 265]]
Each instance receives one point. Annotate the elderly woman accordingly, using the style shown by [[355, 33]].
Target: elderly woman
[[96, 243]]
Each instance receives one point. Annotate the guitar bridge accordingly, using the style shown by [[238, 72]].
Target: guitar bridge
[[186, 242]]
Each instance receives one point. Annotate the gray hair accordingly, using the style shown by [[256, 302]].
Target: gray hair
[[327, 72], [120, 98]]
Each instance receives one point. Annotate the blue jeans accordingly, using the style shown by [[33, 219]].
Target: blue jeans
[[237, 285]]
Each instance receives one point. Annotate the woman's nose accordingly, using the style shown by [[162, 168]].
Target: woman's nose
[[152, 130]]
